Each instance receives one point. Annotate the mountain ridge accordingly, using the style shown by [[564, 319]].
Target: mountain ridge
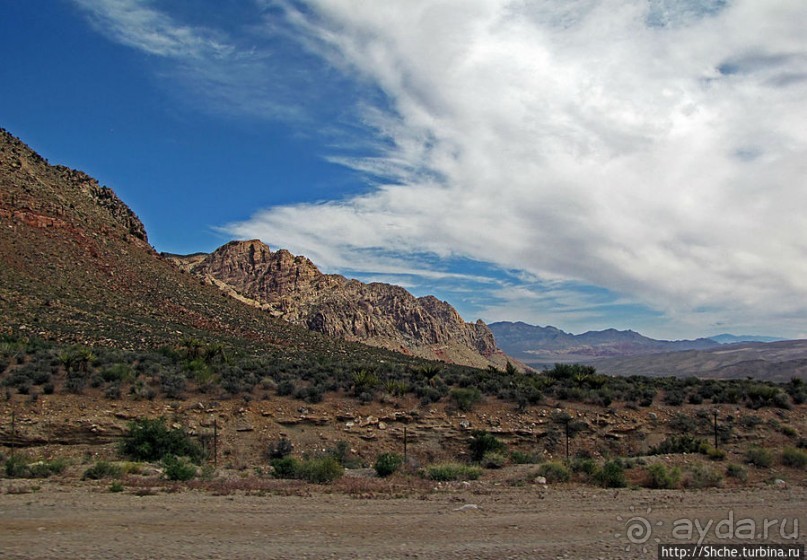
[[291, 287]]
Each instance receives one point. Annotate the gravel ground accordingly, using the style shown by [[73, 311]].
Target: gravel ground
[[87, 522]]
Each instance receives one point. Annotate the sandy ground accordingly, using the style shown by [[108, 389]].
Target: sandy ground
[[567, 521]]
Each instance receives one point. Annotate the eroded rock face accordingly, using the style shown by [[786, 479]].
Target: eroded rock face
[[293, 288]]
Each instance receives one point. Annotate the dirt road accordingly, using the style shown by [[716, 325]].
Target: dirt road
[[59, 522]]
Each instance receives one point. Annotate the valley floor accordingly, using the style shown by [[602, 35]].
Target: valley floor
[[479, 521]]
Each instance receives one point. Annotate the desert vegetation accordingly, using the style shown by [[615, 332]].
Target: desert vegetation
[[692, 445]]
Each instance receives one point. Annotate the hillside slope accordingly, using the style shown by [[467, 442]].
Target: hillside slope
[[383, 315], [77, 267]]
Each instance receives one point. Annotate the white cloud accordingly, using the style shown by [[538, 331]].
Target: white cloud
[[656, 150]]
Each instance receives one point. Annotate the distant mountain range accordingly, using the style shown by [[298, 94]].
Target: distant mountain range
[[617, 352], [538, 346]]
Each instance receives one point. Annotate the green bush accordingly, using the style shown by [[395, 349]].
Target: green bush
[[494, 460], [18, 466], [679, 444], [555, 472], [759, 457], [103, 469], [714, 453], [286, 467], [151, 440], [792, 457], [321, 470], [611, 475], [584, 465], [387, 464], [482, 442], [737, 471], [702, 476], [116, 486], [44, 469], [465, 398], [452, 471], [176, 468], [522, 458], [663, 477]]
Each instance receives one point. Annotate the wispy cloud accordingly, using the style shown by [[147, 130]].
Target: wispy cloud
[[135, 24]]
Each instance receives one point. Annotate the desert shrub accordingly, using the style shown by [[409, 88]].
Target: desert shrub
[[789, 431], [151, 440], [116, 486], [113, 392], [321, 470], [679, 444], [18, 466], [312, 394], [584, 465], [750, 421], [280, 449], [117, 372], [759, 457], [483, 442], [674, 397], [611, 475], [714, 453], [792, 457], [103, 469], [465, 399], [172, 385], [285, 388], [452, 471], [494, 460], [286, 467], [44, 469], [662, 477], [387, 464], [364, 382], [702, 476], [523, 458], [176, 468], [343, 454], [683, 423], [739, 472], [555, 472]]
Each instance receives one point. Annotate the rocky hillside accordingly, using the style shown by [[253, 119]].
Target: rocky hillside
[[541, 346], [77, 267], [292, 287]]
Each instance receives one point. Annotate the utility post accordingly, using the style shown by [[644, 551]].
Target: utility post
[[715, 412]]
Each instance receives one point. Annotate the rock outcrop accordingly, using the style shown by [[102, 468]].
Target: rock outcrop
[[383, 315]]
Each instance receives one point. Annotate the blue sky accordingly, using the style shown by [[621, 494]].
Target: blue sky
[[581, 163]]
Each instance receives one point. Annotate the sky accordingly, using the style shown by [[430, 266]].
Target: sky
[[586, 164]]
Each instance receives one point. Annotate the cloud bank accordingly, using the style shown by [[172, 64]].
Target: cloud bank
[[605, 154]]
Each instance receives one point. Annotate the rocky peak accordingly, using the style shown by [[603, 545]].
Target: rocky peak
[[44, 195], [384, 315]]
